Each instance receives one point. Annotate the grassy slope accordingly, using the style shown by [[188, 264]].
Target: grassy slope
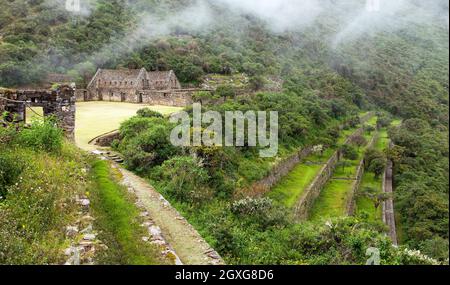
[[40, 205], [369, 180], [291, 187], [332, 200], [118, 219]]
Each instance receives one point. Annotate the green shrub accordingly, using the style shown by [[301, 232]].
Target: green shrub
[[261, 211], [250, 206], [149, 113], [146, 142], [185, 179], [42, 135], [349, 152], [11, 166]]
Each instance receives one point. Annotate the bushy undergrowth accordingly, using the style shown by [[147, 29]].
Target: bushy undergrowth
[[39, 204], [11, 166], [42, 135]]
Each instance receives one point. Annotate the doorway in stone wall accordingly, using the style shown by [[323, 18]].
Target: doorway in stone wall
[[140, 99], [34, 114], [122, 97]]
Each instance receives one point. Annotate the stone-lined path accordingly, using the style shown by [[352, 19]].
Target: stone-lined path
[[388, 206], [187, 243]]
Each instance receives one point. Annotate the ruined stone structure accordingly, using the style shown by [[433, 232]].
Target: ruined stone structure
[[59, 103], [136, 86]]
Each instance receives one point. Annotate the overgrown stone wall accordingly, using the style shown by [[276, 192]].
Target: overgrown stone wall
[[350, 208], [306, 201], [280, 170]]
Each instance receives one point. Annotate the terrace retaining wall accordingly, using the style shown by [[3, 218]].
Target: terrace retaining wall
[[280, 170], [350, 208], [306, 201]]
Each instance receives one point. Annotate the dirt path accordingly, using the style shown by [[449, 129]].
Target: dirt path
[[388, 208], [187, 243]]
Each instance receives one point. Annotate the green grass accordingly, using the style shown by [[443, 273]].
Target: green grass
[[365, 205], [33, 218], [332, 200], [97, 118], [117, 218], [290, 189]]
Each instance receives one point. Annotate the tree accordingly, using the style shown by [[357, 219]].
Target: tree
[[359, 141], [383, 121], [349, 152], [186, 179], [344, 164], [374, 195], [377, 166], [257, 82], [85, 72], [203, 97], [370, 155], [226, 91]]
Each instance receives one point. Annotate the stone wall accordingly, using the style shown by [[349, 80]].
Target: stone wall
[[59, 103], [2, 105], [350, 208], [106, 140], [175, 98], [281, 170], [305, 203]]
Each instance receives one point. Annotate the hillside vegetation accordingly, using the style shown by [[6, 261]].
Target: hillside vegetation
[[329, 71]]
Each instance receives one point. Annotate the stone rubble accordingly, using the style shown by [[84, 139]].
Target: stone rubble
[[84, 243]]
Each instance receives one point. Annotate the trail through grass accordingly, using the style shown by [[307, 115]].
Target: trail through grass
[[117, 218]]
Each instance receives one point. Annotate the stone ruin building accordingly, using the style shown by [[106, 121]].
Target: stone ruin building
[[136, 86], [59, 103]]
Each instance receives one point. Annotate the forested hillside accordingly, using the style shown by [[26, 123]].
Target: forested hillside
[[333, 62]]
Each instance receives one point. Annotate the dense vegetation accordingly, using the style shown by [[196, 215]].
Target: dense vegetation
[[41, 174], [37, 189], [401, 68]]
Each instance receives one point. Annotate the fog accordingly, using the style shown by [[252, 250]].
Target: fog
[[352, 19]]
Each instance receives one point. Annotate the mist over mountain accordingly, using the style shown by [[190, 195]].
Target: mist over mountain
[[320, 62]]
